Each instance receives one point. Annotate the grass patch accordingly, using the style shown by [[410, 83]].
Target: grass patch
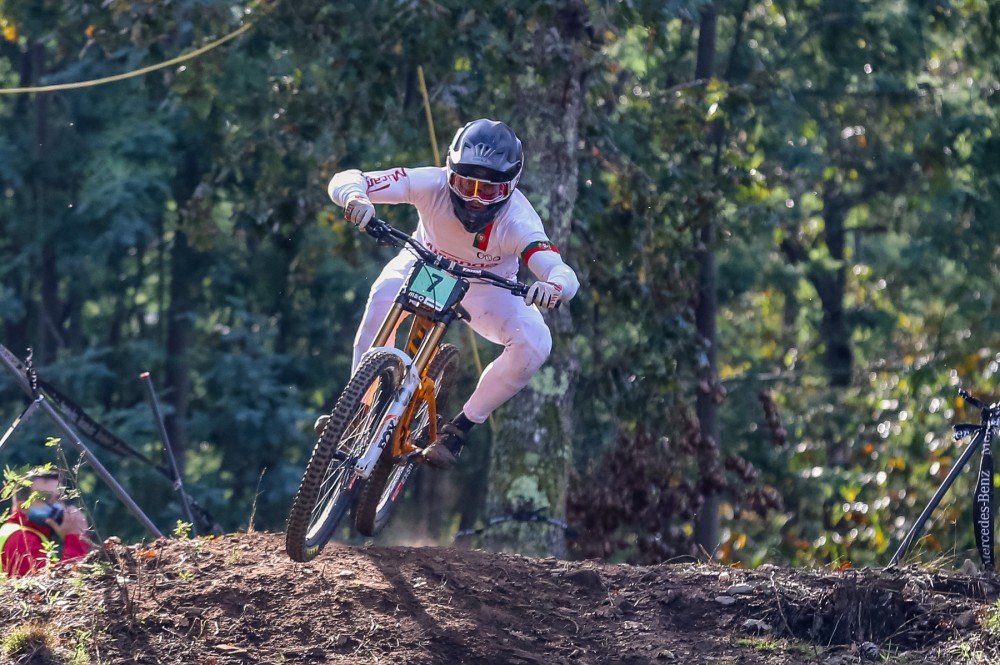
[[990, 623], [763, 644], [33, 641], [980, 647]]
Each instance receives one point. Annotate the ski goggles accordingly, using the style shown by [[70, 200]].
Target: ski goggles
[[472, 189]]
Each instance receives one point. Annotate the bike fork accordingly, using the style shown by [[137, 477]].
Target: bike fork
[[387, 429]]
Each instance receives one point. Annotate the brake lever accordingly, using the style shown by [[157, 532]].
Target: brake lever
[[380, 231], [376, 229]]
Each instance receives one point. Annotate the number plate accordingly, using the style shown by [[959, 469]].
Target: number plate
[[430, 287]]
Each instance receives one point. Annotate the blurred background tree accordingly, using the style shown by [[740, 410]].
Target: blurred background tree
[[838, 162]]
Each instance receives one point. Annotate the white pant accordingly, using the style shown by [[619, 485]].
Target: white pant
[[496, 314]]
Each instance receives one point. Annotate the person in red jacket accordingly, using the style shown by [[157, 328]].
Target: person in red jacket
[[41, 528]]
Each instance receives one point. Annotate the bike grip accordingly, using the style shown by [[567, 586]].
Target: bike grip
[[379, 230]]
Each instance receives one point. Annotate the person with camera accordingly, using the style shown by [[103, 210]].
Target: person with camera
[[41, 529]]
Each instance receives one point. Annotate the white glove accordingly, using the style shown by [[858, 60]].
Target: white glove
[[359, 211], [544, 294]]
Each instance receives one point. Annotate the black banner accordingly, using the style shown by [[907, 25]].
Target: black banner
[[76, 416], [94, 430], [983, 508], [103, 437]]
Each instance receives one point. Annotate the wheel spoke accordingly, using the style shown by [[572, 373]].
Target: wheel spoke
[[328, 486]]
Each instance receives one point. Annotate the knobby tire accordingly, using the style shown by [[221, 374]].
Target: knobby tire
[[329, 484], [385, 486]]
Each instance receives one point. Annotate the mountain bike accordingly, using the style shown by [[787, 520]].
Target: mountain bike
[[392, 405]]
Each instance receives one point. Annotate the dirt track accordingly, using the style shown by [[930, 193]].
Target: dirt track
[[239, 599]]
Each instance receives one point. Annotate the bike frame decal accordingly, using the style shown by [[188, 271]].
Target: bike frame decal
[[402, 483], [364, 466], [430, 287]]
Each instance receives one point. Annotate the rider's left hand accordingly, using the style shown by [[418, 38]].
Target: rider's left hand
[[544, 294]]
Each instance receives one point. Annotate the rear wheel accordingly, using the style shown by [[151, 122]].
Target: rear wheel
[[385, 485], [329, 483]]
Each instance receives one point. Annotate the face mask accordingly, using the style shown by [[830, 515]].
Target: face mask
[[40, 514]]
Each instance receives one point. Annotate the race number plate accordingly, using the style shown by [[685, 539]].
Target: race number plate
[[430, 287]]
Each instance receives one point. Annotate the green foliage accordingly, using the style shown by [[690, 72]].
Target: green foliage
[[177, 223], [990, 624], [868, 456], [182, 530]]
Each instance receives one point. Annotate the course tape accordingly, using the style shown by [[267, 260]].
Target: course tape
[[138, 72]]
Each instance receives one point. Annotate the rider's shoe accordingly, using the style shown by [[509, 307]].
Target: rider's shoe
[[320, 424], [444, 452]]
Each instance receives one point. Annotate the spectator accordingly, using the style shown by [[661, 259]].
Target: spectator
[[42, 529]]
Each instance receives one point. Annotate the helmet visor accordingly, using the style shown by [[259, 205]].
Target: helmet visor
[[473, 189]]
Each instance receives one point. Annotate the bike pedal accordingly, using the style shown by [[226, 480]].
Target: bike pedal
[[421, 439]]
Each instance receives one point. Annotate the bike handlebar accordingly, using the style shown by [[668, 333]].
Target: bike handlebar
[[384, 232]]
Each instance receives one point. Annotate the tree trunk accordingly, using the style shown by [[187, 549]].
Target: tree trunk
[[706, 531], [531, 455], [180, 328], [832, 288], [46, 341], [187, 268], [830, 283]]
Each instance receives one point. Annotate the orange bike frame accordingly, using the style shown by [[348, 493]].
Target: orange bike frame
[[421, 345]]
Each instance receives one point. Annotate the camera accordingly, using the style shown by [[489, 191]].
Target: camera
[[40, 514]]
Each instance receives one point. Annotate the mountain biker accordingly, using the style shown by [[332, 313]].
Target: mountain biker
[[471, 212]]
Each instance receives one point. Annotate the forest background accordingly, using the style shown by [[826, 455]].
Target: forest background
[[782, 214]]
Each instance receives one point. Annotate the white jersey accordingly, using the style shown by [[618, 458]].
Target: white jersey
[[516, 233]]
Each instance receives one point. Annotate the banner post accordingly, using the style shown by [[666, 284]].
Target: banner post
[[171, 458], [983, 505]]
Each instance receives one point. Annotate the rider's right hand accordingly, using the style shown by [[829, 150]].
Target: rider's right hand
[[359, 211]]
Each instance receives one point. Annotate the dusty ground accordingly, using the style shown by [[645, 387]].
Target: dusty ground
[[239, 599]]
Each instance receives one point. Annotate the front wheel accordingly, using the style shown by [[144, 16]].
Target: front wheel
[[385, 485], [330, 483]]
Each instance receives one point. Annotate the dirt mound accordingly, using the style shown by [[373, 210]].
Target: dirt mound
[[239, 599]]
